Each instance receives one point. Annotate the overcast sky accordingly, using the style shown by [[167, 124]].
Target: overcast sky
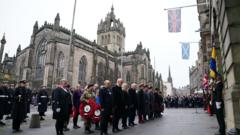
[[144, 20]]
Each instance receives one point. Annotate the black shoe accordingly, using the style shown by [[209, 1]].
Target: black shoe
[[76, 127], [114, 130], [88, 131], [66, 129], [42, 118], [2, 123], [118, 130], [24, 120], [125, 127]]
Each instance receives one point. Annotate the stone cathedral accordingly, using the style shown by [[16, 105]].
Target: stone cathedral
[[50, 57]]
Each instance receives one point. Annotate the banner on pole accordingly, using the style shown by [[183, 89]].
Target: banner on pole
[[185, 51], [174, 20]]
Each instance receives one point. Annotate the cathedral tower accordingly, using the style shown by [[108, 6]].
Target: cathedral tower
[[169, 76], [111, 33]]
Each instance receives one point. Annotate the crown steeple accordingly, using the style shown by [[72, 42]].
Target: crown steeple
[[3, 42]]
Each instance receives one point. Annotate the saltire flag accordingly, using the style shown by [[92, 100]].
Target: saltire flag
[[185, 51], [213, 67], [174, 20]]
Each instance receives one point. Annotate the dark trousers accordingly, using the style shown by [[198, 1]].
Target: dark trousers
[[124, 117], [132, 115], [116, 118], [16, 123], [75, 118], [41, 114], [104, 123], [220, 119], [59, 126]]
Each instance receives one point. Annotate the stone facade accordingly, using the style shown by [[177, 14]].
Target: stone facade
[[48, 57], [224, 30]]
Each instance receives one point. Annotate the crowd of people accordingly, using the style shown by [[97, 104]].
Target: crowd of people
[[98, 105], [191, 101]]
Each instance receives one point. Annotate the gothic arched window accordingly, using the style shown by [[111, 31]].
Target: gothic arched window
[[128, 77], [82, 69], [40, 60], [60, 65], [101, 73]]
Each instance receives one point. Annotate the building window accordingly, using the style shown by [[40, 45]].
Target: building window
[[82, 69], [41, 57], [101, 73], [128, 77], [60, 65]]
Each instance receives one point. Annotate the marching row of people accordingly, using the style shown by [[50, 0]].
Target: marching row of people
[[105, 105], [96, 105], [191, 101]]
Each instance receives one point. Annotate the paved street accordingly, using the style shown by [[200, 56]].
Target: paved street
[[174, 122]]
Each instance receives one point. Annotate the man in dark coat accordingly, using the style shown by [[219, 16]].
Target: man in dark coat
[[125, 112], [156, 103], [3, 103], [141, 103], [117, 104], [219, 105], [76, 104], [132, 104], [19, 106], [10, 93], [105, 96], [146, 103], [29, 98], [42, 99], [60, 106], [151, 103]]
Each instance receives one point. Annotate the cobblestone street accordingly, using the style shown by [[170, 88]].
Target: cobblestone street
[[173, 122]]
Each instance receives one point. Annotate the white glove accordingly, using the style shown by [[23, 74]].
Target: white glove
[[39, 103], [210, 102], [58, 110], [218, 105], [9, 102]]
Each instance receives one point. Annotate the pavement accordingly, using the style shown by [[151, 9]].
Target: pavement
[[174, 122]]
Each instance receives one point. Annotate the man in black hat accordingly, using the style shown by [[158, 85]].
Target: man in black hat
[[42, 99], [19, 106], [60, 106], [219, 105]]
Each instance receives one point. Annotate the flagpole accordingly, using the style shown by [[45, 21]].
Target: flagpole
[[194, 5], [70, 61]]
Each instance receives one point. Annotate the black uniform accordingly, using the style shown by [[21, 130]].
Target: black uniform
[[3, 103], [29, 98], [151, 105], [125, 112], [42, 99], [60, 108], [132, 106], [10, 94], [219, 111], [19, 107], [105, 96], [141, 105], [117, 106]]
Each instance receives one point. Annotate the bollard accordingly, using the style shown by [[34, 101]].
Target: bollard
[[35, 121]]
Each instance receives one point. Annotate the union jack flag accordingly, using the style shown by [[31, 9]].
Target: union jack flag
[[174, 20]]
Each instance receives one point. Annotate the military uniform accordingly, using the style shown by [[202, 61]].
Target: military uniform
[[19, 107], [42, 99], [10, 94], [60, 108], [3, 103]]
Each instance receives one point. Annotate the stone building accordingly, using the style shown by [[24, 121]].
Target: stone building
[[195, 75], [169, 89], [223, 31], [50, 57]]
